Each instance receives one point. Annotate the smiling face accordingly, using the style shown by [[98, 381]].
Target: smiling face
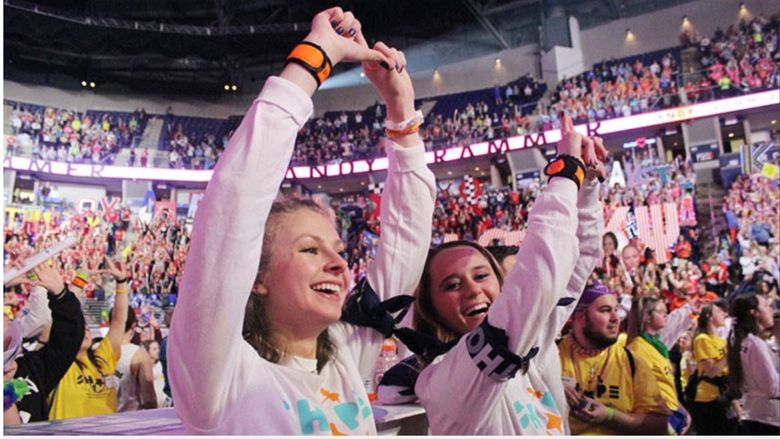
[[463, 285], [306, 279]]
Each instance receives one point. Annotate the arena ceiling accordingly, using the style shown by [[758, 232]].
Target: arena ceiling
[[197, 46]]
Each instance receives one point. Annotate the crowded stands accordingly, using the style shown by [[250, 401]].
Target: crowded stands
[[75, 137], [663, 327], [742, 59]]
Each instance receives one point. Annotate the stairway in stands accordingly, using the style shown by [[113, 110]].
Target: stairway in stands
[[92, 309], [691, 68], [149, 139]]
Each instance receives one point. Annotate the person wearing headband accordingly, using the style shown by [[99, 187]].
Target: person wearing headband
[[609, 390], [295, 366]]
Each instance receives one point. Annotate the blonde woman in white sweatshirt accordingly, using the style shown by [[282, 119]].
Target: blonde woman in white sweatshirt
[[293, 367]]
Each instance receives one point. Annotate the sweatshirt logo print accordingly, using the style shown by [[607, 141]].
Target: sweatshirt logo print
[[545, 417], [330, 415]]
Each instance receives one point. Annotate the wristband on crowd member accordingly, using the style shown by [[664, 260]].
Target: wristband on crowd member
[[119, 290], [566, 166], [312, 58], [610, 414], [416, 119], [80, 281], [405, 132], [122, 280]]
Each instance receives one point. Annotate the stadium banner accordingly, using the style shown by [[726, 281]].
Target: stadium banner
[[762, 154], [499, 146], [705, 152]]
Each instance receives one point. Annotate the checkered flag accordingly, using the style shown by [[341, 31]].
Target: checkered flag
[[376, 188], [375, 195], [470, 189]]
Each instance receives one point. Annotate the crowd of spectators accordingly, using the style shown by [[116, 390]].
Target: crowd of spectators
[[342, 137], [615, 89], [72, 136], [193, 150], [743, 58], [743, 260], [751, 242], [154, 252], [137, 265]]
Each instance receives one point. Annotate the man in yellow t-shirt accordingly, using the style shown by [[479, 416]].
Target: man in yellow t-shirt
[[88, 387], [610, 391]]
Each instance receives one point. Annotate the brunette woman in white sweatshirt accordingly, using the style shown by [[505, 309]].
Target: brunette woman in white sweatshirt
[[502, 376]]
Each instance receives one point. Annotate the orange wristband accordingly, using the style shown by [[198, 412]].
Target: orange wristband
[[404, 132], [312, 58]]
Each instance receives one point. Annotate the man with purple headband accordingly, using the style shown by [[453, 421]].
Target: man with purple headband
[[608, 390]]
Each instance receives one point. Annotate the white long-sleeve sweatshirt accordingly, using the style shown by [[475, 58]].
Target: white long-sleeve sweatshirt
[[221, 384], [458, 397], [590, 228], [761, 369]]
